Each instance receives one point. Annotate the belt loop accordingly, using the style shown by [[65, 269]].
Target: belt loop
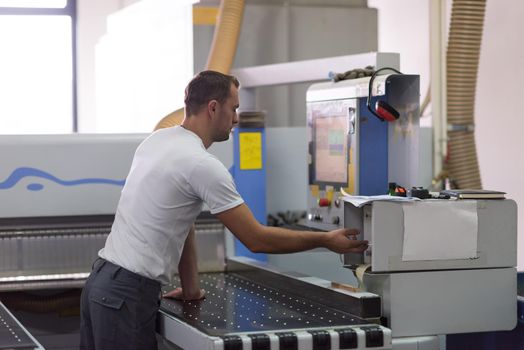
[[113, 275], [100, 266]]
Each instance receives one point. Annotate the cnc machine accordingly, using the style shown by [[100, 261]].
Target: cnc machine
[[439, 266]]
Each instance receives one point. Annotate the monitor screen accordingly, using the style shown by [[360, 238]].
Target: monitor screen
[[331, 149]]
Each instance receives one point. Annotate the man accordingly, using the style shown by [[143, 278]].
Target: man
[[171, 176]]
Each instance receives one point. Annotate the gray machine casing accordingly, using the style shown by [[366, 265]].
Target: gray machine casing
[[427, 297]]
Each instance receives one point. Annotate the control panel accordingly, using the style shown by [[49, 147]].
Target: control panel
[[326, 209]]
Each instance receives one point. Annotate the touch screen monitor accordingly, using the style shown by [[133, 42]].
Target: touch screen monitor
[[332, 127], [331, 155]]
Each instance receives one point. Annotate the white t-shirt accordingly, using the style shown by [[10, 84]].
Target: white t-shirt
[[172, 175]]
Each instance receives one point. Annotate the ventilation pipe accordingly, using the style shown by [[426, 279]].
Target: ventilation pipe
[[223, 49], [462, 59]]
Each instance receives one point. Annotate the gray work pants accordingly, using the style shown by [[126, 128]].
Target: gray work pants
[[118, 309]]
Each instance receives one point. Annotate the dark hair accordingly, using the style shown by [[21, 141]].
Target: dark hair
[[206, 86]]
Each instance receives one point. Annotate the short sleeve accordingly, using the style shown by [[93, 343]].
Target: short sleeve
[[214, 185]]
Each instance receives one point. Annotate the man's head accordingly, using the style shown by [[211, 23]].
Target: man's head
[[206, 86], [214, 96]]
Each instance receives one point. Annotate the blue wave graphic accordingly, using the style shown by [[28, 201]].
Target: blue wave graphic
[[19, 173]]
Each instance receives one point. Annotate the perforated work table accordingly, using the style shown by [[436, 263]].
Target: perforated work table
[[246, 310], [12, 334]]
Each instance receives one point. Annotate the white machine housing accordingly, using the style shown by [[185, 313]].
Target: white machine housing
[[440, 296], [66, 167]]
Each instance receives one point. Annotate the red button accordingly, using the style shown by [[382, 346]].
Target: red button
[[324, 202]]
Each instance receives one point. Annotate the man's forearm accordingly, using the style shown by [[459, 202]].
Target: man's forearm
[[188, 268], [279, 240], [263, 239]]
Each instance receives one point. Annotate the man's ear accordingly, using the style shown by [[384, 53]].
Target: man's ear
[[211, 107]]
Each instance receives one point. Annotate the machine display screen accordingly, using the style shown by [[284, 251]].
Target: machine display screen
[[331, 149]]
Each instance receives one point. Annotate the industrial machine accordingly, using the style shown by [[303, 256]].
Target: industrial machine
[[439, 266], [58, 198]]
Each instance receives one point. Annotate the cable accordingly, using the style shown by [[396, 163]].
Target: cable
[[384, 105]]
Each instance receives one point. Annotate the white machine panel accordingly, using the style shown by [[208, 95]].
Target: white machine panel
[[66, 175], [58, 175], [447, 302], [382, 224]]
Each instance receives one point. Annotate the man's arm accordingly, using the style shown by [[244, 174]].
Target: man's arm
[[266, 239], [188, 272]]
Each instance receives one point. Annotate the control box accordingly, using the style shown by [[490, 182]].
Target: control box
[[351, 150]]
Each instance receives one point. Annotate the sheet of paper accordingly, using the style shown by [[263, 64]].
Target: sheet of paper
[[359, 201], [440, 230]]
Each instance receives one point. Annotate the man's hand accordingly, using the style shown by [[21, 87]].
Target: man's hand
[[344, 241], [178, 294]]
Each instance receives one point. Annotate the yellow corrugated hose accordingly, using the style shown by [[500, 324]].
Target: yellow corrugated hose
[[223, 49], [462, 59]]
